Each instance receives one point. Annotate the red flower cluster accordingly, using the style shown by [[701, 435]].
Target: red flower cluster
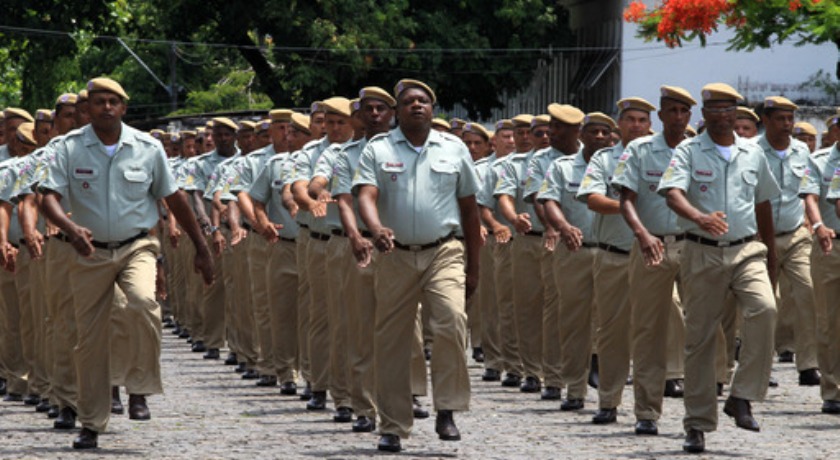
[[675, 18], [634, 12]]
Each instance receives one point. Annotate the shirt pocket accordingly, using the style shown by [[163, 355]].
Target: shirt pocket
[[750, 181], [703, 183], [136, 183], [393, 176], [650, 180], [86, 180], [444, 175]]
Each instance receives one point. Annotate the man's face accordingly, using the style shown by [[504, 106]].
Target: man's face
[[225, 139], [43, 133], [414, 109], [105, 110], [564, 136], [177, 149], [278, 132], [522, 139], [263, 139], [809, 139], [188, 149], [245, 139], [504, 141], [595, 136], [457, 132], [339, 128], [65, 119], [674, 115], [10, 126], [778, 122], [297, 139], [633, 124], [316, 124], [209, 144], [478, 146], [82, 116], [540, 137], [719, 117], [376, 116]]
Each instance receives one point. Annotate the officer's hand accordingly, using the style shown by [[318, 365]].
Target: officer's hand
[[237, 235], [52, 230], [325, 197], [204, 223], [523, 223], [572, 237], [550, 239], [482, 232], [35, 244], [502, 234], [269, 232], [318, 209], [174, 236], [713, 223], [80, 239], [471, 283], [383, 240], [362, 251], [653, 250], [825, 236], [219, 243], [204, 265], [160, 285], [10, 257]]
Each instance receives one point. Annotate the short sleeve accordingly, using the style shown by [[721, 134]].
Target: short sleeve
[[626, 174], [366, 173], [595, 179], [810, 183], [164, 182], [551, 186], [767, 187], [678, 173]]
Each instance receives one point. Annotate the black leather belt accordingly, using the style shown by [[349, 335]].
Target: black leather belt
[[118, 244], [247, 226], [671, 238], [423, 247], [60, 236], [319, 236], [533, 233], [283, 238], [613, 249], [302, 225], [788, 232], [716, 243], [339, 232], [589, 245]]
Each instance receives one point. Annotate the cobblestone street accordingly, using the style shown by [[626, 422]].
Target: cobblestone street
[[209, 412]]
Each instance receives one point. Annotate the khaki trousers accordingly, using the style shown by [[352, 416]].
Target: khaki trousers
[[705, 272], [361, 314], [552, 356], [575, 280], [794, 257], [675, 353], [194, 289], [40, 376], [402, 279], [231, 301], [485, 301], [529, 301], [319, 326], [57, 257], [132, 268], [213, 305], [652, 305], [243, 305], [614, 320], [304, 301], [22, 278], [259, 274], [419, 377], [490, 338], [340, 262], [281, 278], [825, 270], [12, 346], [508, 334], [786, 318]]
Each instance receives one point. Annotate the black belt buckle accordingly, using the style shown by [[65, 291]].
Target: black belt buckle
[[338, 232], [319, 236], [668, 239], [111, 245], [423, 247], [613, 249]]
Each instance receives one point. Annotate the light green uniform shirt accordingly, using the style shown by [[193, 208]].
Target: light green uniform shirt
[[252, 166], [267, 188], [515, 180], [8, 180], [562, 184], [326, 168], [344, 169], [713, 184], [488, 173], [115, 197], [202, 175], [4, 153], [821, 178], [609, 229], [640, 169], [305, 160], [788, 208], [418, 190]]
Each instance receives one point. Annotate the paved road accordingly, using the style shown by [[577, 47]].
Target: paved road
[[209, 412]]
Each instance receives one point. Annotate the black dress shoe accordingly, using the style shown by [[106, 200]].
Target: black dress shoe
[[720, 389], [604, 416], [212, 353], [168, 323], [530, 385], [306, 394], [251, 374], [809, 378], [318, 401], [364, 425], [674, 388], [177, 330], [571, 405], [267, 381], [445, 426], [647, 427], [288, 388], [593, 379], [478, 355], [32, 400], [198, 347], [13, 397], [231, 359], [491, 375], [831, 407], [137, 408], [389, 443], [240, 368], [427, 353], [511, 380], [3, 387], [786, 357], [773, 383], [116, 405], [43, 406], [185, 334], [66, 419], [86, 439], [53, 412], [343, 415], [419, 411], [551, 394], [694, 442], [740, 410]]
